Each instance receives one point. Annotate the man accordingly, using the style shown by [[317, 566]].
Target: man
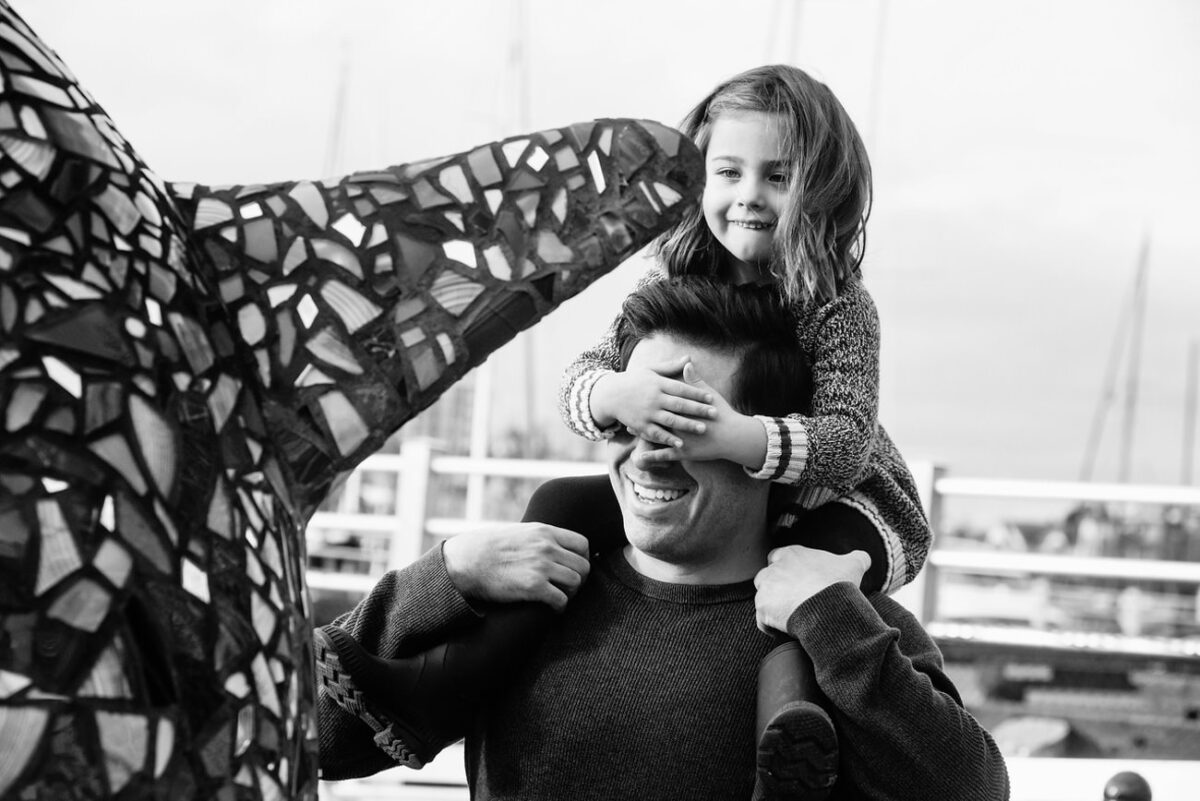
[[644, 686]]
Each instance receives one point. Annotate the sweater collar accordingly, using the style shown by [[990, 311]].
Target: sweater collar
[[617, 566]]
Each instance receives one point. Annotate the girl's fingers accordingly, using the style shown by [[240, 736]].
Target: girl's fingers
[[677, 423], [693, 392], [695, 409], [671, 367], [658, 456], [656, 433]]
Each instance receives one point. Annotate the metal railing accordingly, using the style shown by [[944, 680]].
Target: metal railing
[[394, 539]]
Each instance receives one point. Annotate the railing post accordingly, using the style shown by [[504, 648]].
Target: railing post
[[407, 540], [920, 596]]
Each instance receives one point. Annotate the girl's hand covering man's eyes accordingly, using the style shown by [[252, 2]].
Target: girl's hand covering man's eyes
[[650, 403], [728, 434]]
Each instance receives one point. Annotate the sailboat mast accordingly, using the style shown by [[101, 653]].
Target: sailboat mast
[[333, 145], [1192, 377], [1135, 359]]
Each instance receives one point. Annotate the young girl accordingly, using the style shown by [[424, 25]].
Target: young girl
[[786, 201]]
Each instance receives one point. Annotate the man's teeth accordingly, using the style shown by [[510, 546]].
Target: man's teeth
[[648, 494]]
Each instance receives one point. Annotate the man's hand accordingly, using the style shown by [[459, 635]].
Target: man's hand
[[794, 574], [518, 562], [652, 402], [728, 434]]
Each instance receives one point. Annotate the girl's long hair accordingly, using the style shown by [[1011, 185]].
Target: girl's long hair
[[821, 234]]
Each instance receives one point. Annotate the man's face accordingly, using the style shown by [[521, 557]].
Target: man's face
[[703, 518]]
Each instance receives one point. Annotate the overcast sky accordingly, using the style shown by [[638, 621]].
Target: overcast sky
[[1022, 151]]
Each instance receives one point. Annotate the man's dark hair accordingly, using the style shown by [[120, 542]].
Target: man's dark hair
[[775, 377]]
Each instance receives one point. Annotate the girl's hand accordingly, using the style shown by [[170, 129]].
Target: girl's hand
[[728, 434], [652, 404]]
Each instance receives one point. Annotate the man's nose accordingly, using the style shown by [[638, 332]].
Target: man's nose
[[641, 447]]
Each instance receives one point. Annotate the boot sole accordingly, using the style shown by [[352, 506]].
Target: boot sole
[[798, 753], [390, 735]]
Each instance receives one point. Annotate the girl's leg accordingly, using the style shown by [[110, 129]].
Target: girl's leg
[[838, 528], [585, 504], [417, 705], [797, 742]]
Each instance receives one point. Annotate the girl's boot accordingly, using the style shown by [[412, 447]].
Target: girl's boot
[[418, 705], [797, 743]]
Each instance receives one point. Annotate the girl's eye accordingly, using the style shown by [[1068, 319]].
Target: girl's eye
[[727, 172], [778, 178]]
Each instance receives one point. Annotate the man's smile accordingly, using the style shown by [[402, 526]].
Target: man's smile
[[648, 494], [658, 488]]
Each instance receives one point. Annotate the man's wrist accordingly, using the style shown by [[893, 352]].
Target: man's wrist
[[459, 576]]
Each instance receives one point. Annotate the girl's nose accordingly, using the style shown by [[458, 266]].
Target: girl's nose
[[750, 194]]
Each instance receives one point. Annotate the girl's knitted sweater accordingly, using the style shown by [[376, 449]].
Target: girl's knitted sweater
[[839, 453]]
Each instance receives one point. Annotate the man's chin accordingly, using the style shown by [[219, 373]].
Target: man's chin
[[652, 540]]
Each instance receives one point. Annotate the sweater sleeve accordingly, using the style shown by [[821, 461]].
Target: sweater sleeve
[[575, 391], [901, 725], [829, 449], [408, 610]]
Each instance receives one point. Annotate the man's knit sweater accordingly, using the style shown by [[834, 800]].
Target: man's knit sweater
[[645, 690], [839, 452]]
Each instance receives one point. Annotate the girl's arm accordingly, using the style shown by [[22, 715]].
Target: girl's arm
[[830, 447]]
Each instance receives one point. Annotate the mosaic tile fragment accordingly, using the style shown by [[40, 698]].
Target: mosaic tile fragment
[[21, 730], [84, 605], [108, 679], [59, 556], [352, 308], [345, 423], [124, 737]]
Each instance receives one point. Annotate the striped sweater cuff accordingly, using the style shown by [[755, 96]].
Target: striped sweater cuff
[[787, 450], [896, 575], [580, 408]]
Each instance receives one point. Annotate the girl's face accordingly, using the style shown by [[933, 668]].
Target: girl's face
[[746, 185]]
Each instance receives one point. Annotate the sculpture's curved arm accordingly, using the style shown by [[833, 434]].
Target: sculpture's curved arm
[[363, 298]]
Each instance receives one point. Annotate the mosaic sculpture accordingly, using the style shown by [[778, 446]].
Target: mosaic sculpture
[[184, 373]]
